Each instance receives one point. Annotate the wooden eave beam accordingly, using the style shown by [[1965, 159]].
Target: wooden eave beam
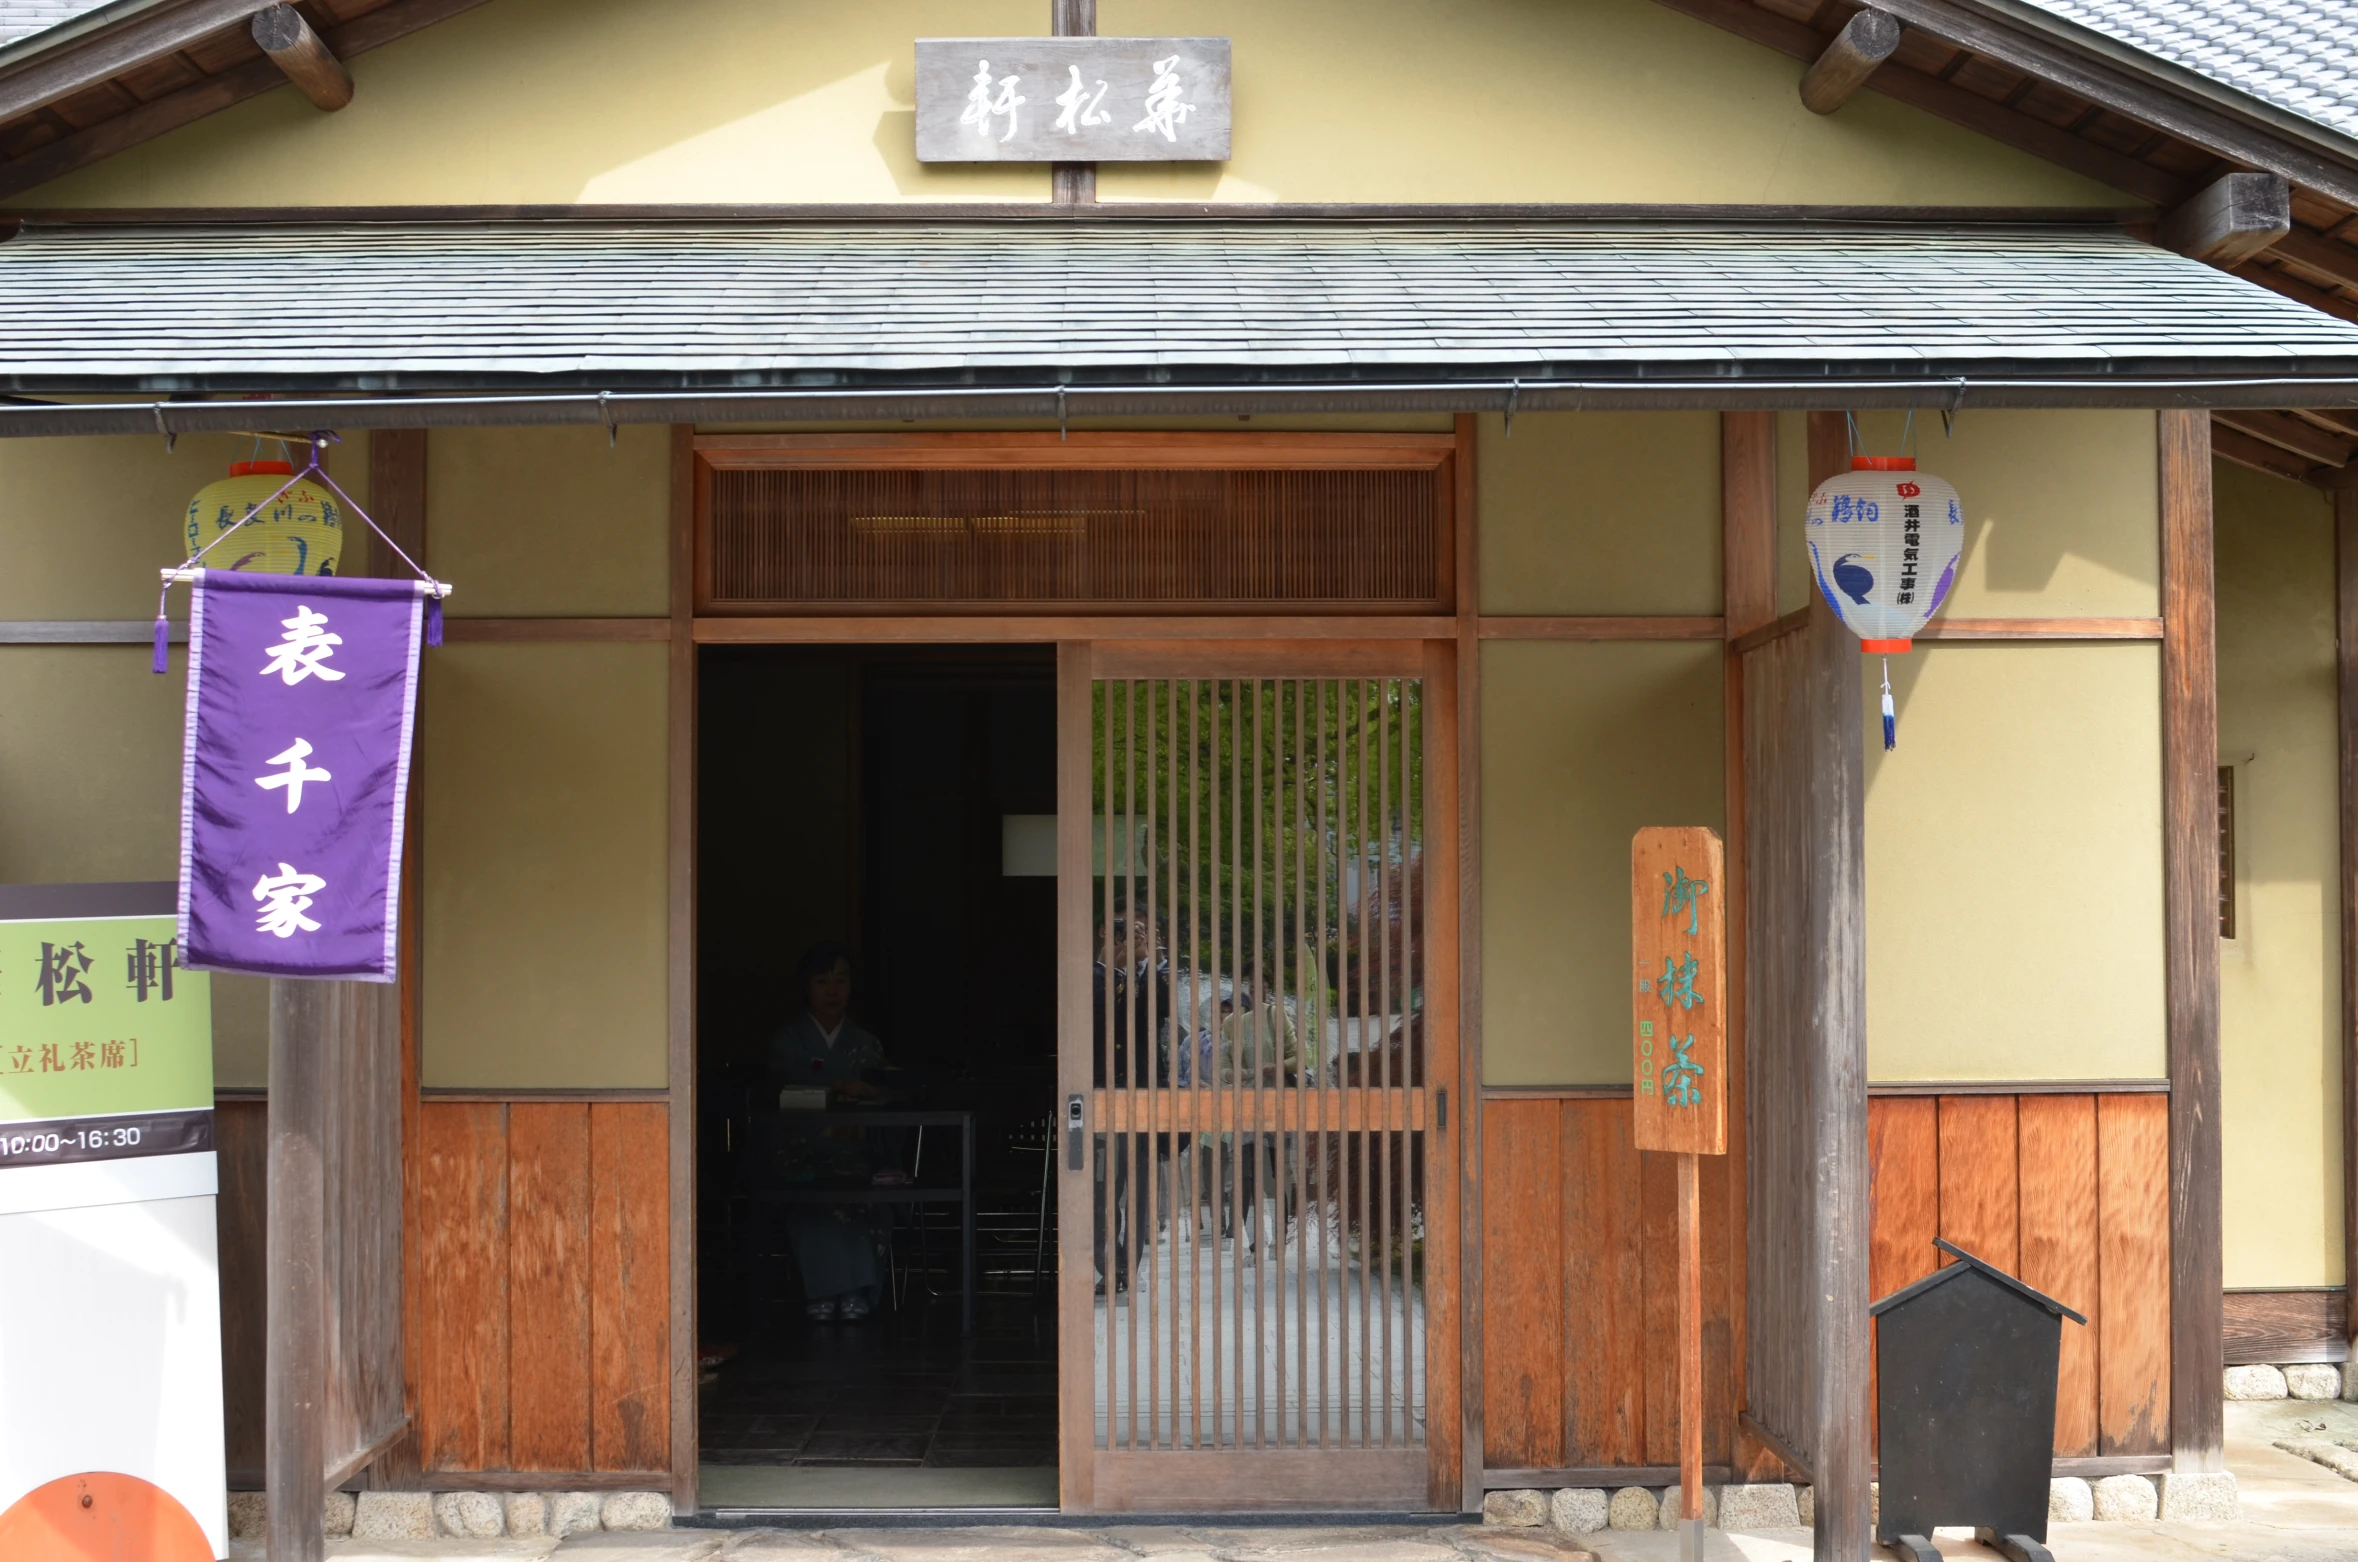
[[2232, 444], [1984, 116], [2233, 218], [1865, 42], [2295, 434], [86, 62], [310, 64], [2277, 280], [2314, 252], [214, 93]]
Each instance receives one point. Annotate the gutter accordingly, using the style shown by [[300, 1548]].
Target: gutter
[[22, 419]]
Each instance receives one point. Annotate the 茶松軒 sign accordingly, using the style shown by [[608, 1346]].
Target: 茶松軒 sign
[[1076, 100], [1679, 1037], [301, 694], [110, 1311]]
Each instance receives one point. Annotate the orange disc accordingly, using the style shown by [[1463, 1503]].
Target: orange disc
[[101, 1516]]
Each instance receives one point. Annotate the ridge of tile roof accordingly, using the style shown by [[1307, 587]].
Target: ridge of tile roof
[[2300, 56]]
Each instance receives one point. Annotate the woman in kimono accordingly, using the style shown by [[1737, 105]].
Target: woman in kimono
[[834, 1245]]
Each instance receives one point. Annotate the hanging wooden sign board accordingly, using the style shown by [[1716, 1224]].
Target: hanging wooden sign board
[[1679, 1009], [1072, 100]]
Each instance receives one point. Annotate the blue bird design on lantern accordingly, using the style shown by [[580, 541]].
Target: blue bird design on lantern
[[1856, 580]]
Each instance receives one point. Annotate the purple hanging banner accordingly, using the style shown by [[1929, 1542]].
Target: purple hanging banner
[[301, 692]]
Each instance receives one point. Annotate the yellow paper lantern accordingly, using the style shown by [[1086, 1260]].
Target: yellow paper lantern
[[302, 533]]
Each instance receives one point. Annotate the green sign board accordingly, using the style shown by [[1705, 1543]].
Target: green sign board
[[98, 1019]]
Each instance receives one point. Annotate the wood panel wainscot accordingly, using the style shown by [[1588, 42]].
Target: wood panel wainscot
[[2282, 1327], [545, 1241], [2068, 1189]]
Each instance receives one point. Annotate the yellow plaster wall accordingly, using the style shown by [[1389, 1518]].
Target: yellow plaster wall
[[1600, 513], [2014, 892], [544, 914], [551, 522], [2280, 976], [798, 100], [1582, 744]]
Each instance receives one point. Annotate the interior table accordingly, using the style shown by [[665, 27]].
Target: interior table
[[962, 1195]]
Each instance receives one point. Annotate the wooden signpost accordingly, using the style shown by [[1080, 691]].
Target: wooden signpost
[[1679, 1054], [1098, 100]]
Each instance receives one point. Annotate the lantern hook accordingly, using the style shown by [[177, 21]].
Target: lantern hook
[[165, 429], [1514, 394], [606, 416], [1948, 414], [1063, 432]]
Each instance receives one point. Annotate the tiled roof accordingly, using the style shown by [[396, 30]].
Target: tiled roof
[[555, 305], [23, 18], [2298, 55]]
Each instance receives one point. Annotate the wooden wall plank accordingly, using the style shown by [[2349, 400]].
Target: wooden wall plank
[[2057, 1135], [1523, 1325], [2133, 1281], [462, 1236], [1903, 1201], [630, 1285], [1604, 1400], [2286, 1326], [1980, 1192], [548, 1306], [1719, 1311]]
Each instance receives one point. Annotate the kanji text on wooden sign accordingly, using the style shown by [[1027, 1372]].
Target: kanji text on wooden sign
[[1072, 100], [1679, 1024]]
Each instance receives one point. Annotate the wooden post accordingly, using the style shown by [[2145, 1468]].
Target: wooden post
[[2345, 554], [2190, 922], [1835, 1063], [1748, 541], [295, 1355], [1690, 1358]]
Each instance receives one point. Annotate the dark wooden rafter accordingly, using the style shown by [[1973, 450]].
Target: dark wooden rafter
[[58, 122]]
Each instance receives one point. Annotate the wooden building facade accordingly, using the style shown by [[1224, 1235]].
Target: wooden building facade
[[1999, 985]]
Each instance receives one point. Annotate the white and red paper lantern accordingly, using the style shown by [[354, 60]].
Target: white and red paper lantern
[[1884, 540]]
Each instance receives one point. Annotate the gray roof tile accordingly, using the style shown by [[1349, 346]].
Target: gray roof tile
[[2299, 55], [712, 305]]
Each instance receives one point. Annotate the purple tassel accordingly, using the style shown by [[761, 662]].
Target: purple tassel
[[434, 620], [163, 639]]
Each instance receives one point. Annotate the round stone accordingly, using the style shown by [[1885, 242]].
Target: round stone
[[1633, 1507], [1580, 1510]]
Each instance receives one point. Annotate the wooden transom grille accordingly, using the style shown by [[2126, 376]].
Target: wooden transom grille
[[786, 540]]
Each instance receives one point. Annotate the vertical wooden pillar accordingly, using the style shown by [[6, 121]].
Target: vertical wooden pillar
[[2345, 556], [1072, 184], [296, 1353], [680, 1001], [2190, 880], [1835, 1111], [397, 500], [1748, 567], [1466, 588]]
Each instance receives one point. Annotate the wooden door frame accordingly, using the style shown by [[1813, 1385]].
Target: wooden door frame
[[1449, 641], [1090, 1479]]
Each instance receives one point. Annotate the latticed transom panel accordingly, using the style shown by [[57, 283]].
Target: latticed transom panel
[[785, 540]]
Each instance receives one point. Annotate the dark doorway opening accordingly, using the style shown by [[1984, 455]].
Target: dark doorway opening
[[897, 804]]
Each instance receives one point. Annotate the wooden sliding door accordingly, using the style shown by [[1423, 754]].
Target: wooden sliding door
[[1258, 933]]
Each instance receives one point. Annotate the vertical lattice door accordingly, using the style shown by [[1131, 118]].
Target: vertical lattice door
[[1258, 1069]]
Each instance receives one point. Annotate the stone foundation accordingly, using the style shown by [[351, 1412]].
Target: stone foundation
[[1778, 1505], [2295, 1380], [474, 1515]]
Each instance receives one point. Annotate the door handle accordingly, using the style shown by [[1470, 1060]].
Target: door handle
[[1076, 1141]]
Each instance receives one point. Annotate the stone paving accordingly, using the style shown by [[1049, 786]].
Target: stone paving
[[2293, 1511]]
